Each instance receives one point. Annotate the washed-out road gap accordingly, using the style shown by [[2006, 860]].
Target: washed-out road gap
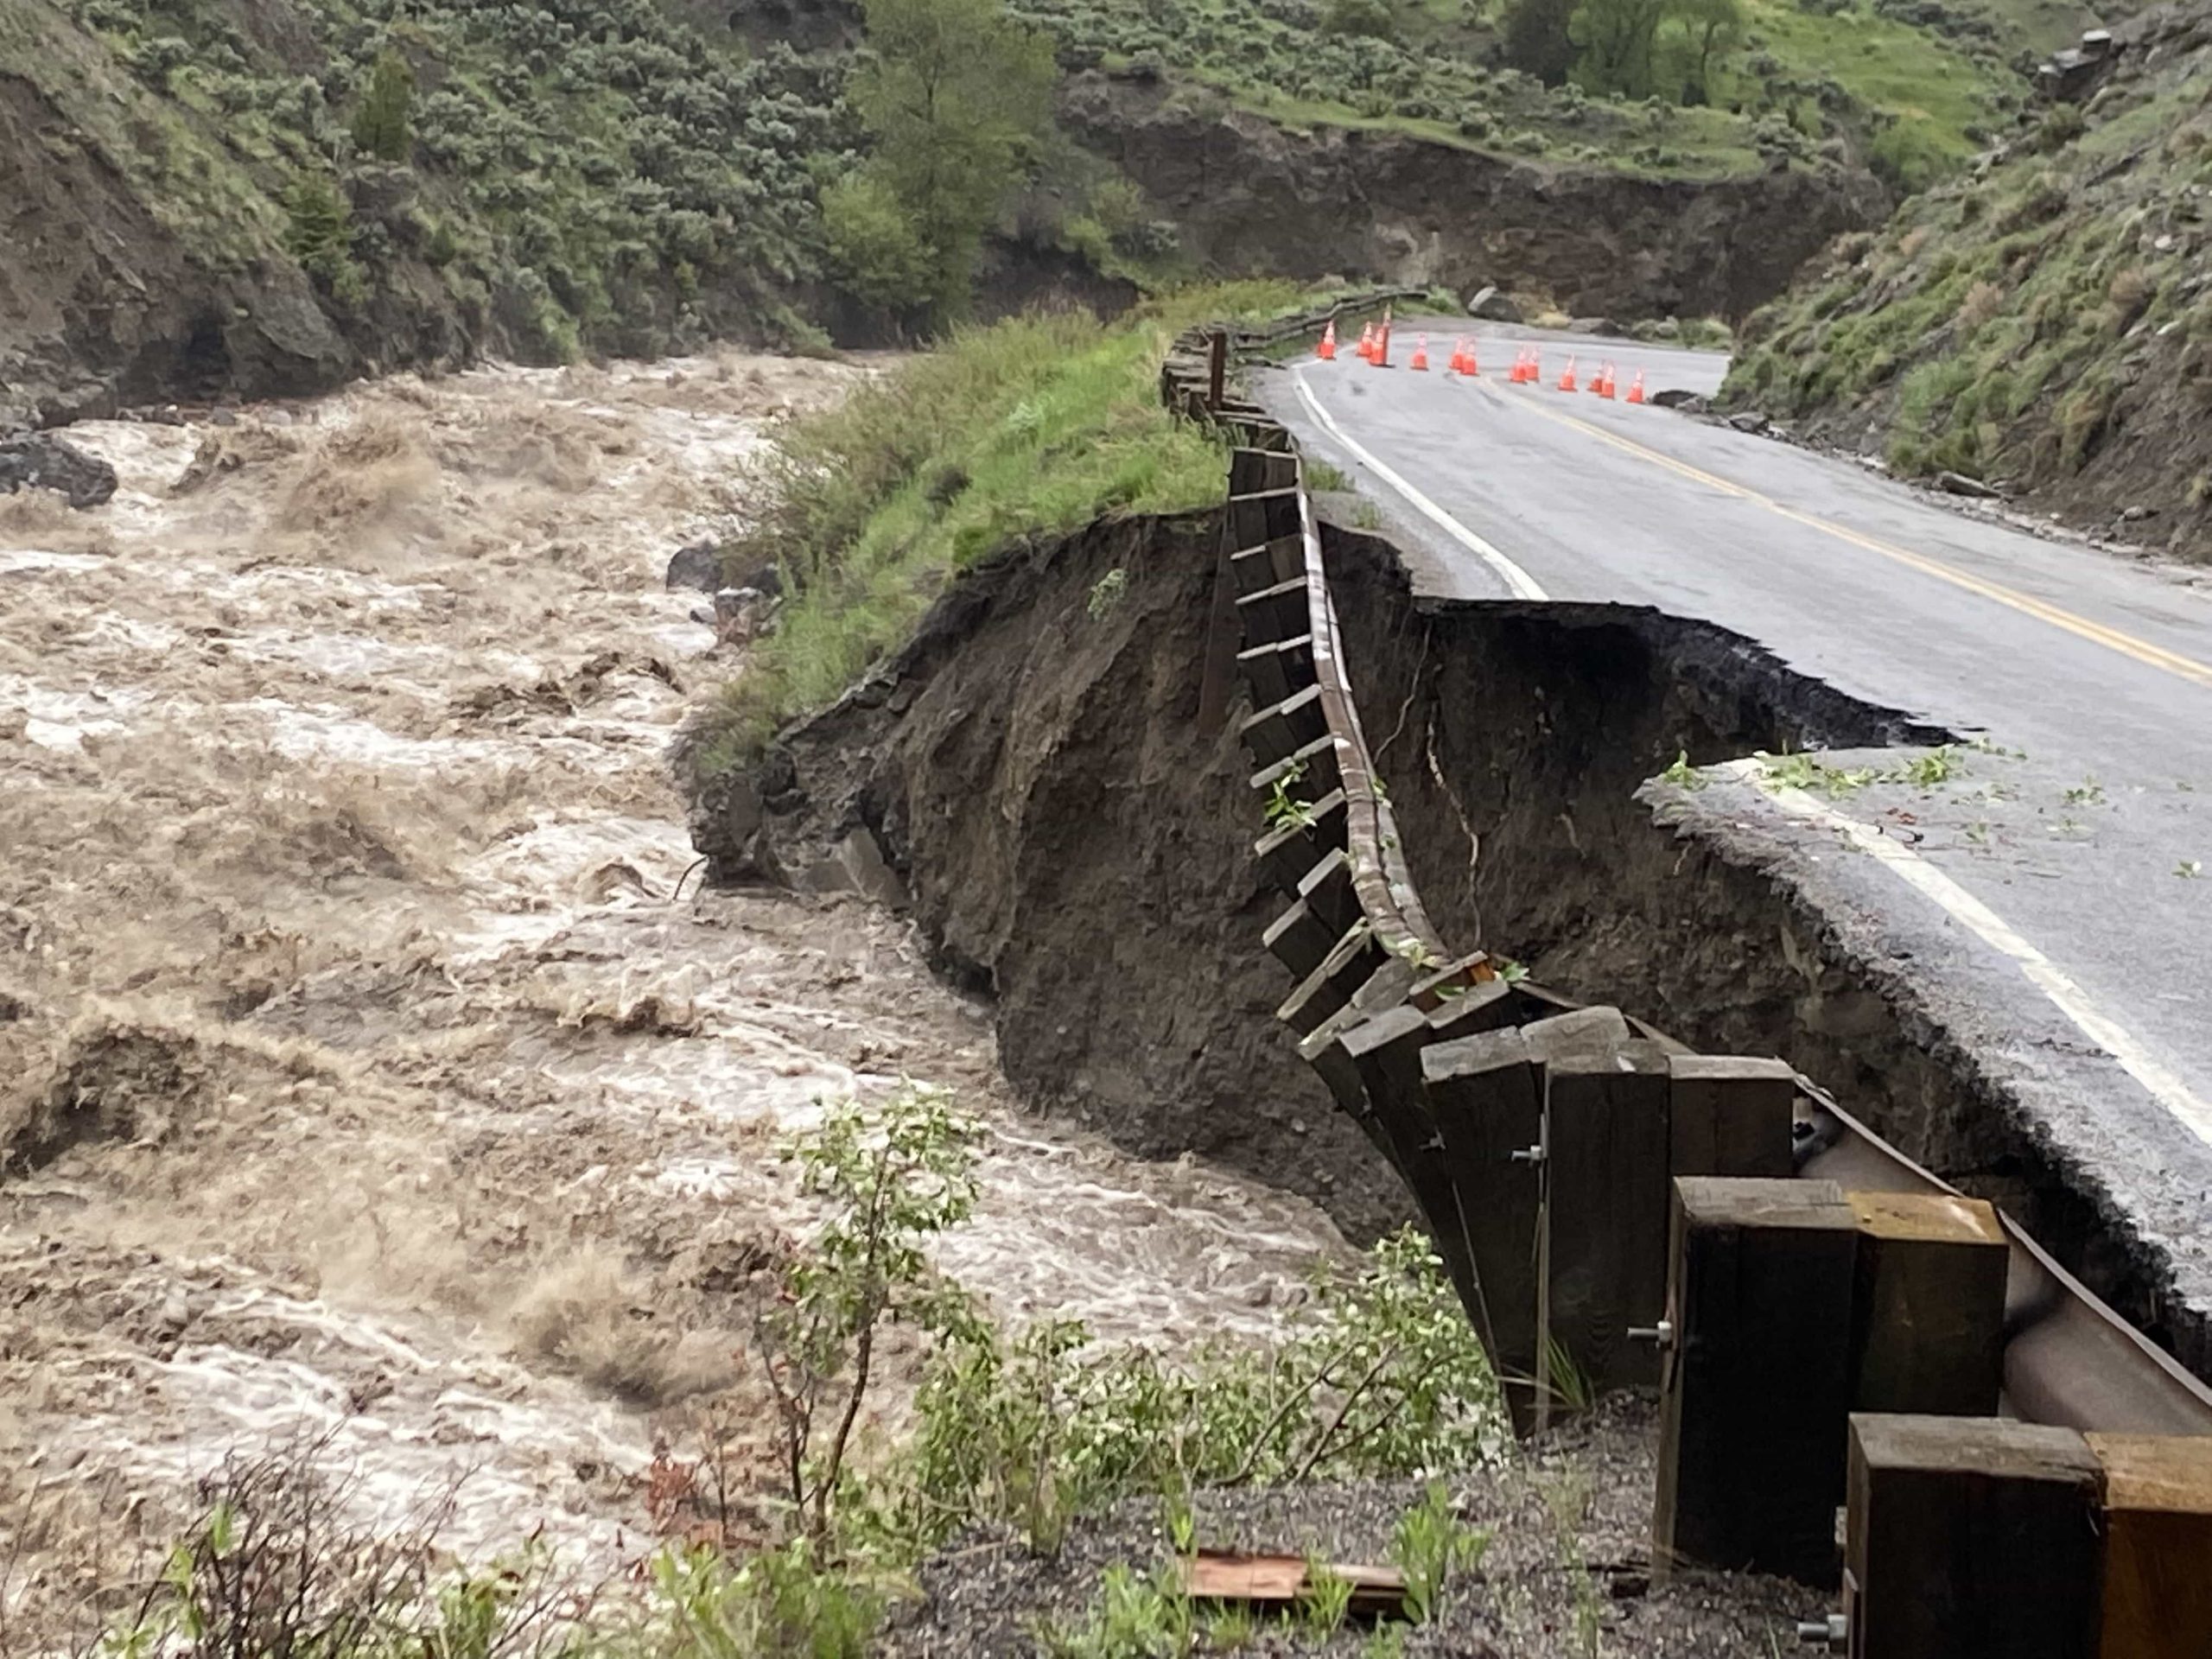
[[2048, 894]]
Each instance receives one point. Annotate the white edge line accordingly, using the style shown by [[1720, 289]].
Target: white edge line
[[2070, 999], [1517, 580]]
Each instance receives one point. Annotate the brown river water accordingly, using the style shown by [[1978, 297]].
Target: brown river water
[[408, 1105]]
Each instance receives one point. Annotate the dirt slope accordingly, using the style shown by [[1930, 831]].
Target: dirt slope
[[2045, 325]]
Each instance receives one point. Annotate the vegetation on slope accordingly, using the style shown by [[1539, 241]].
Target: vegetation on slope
[[1030, 427], [2047, 324], [1696, 86]]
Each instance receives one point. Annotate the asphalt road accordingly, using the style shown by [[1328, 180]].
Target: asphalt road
[[2045, 897]]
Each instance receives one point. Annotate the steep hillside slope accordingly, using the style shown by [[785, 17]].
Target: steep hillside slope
[[172, 218], [2045, 325]]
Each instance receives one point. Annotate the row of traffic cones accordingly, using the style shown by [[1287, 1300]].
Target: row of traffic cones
[[1374, 348]]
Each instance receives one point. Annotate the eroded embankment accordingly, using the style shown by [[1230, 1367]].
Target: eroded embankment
[[1540, 728], [1033, 768], [1031, 765]]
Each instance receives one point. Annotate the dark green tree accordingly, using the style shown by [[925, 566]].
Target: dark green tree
[[380, 125], [1713, 29], [1537, 38], [319, 234], [1618, 38], [956, 95]]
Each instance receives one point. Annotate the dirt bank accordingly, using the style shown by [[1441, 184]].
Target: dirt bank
[[367, 1065], [1078, 848], [1249, 196], [1075, 845]]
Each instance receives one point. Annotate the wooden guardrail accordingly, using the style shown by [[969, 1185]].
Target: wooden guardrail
[[1828, 1324]]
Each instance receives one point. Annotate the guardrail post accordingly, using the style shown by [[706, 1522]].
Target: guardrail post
[[1928, 1316], [1758, 1376], [1606, 1153], [1971, 1538], [2156, 1593], [1217, 367], [1731, 1116]]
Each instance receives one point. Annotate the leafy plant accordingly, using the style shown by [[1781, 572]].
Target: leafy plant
[[1284, 811], [1682, 775], [1106, 592], [1430, 1544], [1133, 1618], [888, 1180], [1324, 1599]]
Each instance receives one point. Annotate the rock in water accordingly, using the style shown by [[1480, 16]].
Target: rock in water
[[42, 461], [699, 565]]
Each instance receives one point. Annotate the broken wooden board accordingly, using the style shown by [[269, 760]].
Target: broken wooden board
[[1277, 1583]]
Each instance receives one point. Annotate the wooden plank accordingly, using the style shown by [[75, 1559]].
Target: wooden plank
[[1274, 1583], [1316, 765], [1285, 728], [1756, 1388], [1264, 516], [1580, 1033], [1606, 1209], [1273, 672], [1928, 1320], [1274, 613], [1251, 471], [2157, 1595], [1358, 955], [1288, 853], [1255, 568], [1328, 891], [1487, 1006], [1387, 1049], [1729, 1115], [1300, 940], [1485, 1093], [1970, 1538]]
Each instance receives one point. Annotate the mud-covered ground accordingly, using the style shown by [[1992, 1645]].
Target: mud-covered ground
[[367, 1067]]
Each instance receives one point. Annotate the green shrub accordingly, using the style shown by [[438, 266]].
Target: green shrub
[[874, 251], [320, 235], [380, 126]]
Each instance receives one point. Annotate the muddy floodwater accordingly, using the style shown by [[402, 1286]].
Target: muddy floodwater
[[367, 1067]]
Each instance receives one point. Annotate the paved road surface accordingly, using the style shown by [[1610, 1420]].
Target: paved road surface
[[2045, 905]]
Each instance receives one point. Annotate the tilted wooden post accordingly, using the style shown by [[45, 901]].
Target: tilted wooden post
[[1927, 1315], [1971, 1538], [2157, 1586], [1757, 1386]]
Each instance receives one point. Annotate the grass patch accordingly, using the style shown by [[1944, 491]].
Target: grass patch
[[1035, 426]]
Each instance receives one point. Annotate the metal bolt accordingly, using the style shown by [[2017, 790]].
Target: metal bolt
[[1661, 1335], [1530, 1156], [1832, 1632]]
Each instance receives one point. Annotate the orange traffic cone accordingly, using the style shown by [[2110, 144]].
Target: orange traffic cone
[[1457, 365], [1365, 349], [1468, 365], [1420, 355], [1566, 380], [1528, 367], [1381, 359], [1635, 388], [1326, 351], [1603, 385]]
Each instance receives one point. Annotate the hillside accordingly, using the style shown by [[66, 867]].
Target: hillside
[[2045, 325], [588, 172]]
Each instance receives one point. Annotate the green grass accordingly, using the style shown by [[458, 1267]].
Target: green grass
[[1033, 426]]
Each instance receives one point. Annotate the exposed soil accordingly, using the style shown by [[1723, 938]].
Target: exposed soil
[[368, 1067], [1078, 846], [1250, 196]]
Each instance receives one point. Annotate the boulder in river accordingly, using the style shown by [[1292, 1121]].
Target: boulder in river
[[699, 565], [41, 459]]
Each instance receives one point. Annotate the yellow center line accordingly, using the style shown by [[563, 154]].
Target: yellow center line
[[2127, 645]]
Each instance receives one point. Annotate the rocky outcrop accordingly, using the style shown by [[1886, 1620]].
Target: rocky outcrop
[[1252, 197], [39, 460]]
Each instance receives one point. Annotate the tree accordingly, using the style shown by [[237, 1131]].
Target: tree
[[1537, 40], [1714, 28], [874, 250], [955, 95], [1370, 17], [380, 125], [1616, 37]]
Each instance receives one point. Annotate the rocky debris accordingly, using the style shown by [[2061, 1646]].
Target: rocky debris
[[1690, 403], [699, 565], [1491, 305], [1960, 484], [1593, 326], [42, 461], [1751, 421], [744, 614]]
